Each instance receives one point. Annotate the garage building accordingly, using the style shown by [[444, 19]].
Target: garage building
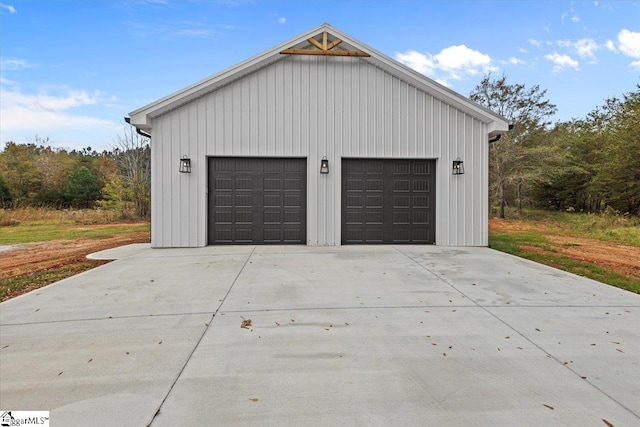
[[321, 140]]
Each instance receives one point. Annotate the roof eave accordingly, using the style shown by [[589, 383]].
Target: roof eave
[[141, 118], [431, 86]]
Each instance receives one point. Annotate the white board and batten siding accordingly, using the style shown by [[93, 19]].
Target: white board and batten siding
[[311, 107]]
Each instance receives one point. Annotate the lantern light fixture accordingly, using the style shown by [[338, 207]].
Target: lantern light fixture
[[185, 164], [324, 166], [458, 167]]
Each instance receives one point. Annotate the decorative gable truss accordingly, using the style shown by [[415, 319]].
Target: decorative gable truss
[[324, 47]]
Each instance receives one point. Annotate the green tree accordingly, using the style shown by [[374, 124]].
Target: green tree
[[517, 159], [5, 194], [116, 196], [83, 188], [619, 177], [565, 185], [21, 172], [602, 160]]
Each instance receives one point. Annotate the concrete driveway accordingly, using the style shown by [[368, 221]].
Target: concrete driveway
[[358, 335]]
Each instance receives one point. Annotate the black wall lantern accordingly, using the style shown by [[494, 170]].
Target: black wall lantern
[[185, 165], [458, 167], [324, 165]]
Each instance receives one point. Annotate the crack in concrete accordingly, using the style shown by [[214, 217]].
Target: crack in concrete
[[155, 415]]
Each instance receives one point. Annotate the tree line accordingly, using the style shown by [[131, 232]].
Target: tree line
[[35, 174], [590, 164]]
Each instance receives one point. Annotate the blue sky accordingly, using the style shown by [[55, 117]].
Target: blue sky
[[71, 70]]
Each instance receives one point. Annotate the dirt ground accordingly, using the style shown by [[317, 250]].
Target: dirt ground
[[623, 259], [32, 258]]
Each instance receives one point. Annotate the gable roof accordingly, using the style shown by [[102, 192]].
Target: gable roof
[[141, 118]]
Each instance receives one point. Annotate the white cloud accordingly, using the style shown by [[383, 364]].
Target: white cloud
[[186, 32], [610, 45], [575, 18], [522, 50], [282, 20], [417, 61], [171, 29], [512, 61], [586, 48], [535, 42], [50, 109], [562, 61], [461, 57], [452, 63], [629, 43], [10, 8], [14, 64]]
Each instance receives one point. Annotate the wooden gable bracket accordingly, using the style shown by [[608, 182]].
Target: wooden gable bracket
[[324, 48]]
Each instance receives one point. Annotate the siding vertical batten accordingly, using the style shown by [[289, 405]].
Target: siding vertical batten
[[303, 106]]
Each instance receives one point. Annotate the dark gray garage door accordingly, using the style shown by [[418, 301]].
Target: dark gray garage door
[[388, 201], [257, 201]]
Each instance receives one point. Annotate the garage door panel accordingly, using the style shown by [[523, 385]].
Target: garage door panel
[[293, 185], [272, 201], [374, 202], [223, 184], [272, 184], [224, 217], [400, 202], [274, 217], [375, 217], [299, 168], [401, 186], [374, 167], [387, 201], [257, 201], [420, 217], [423, 168], [421, 202], [224, 200], [402, 218], [292, 201], [293, 218], [401, 168], [243, 184], [354, 185], [420, 186], [375, 185]]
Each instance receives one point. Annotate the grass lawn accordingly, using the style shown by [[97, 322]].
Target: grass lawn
[[603, 248], [51, 245], [44, 232]]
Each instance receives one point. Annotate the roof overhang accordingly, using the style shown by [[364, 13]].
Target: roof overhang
[[142, 117]]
